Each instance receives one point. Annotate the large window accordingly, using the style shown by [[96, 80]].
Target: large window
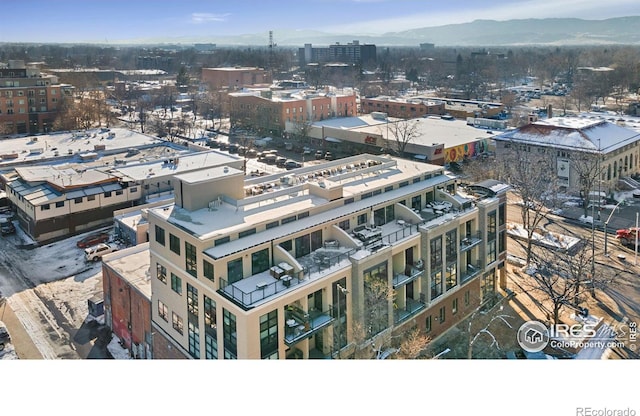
[[491, 251], [450, 276], [193, 333], [192, 300], [502, 214], [451, 245], [207, 270], [260, 261], [436, 253], [174, 243], [488, 285], [389, 213], [303, 245], [269, 335], [416, 202], [491, 226], [379, 217], [230, 335], [210, 329], [176, 284], [316, 240], [163, 311], [345, 225], [235, 272], [362, 219], [436, 284], [191, 263], [376, 299], [177, 323], [161, 273]]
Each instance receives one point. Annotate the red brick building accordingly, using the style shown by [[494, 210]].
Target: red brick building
[[29, 100], [235, 77]]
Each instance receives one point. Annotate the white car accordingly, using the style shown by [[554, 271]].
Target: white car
[[96, 252]]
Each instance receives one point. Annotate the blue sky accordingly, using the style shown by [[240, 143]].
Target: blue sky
[[120, 20]]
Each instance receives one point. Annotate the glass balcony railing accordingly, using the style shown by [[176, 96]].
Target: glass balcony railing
[[300, 324], [411, 308], [470, 270], [410, 273], [470, 241]]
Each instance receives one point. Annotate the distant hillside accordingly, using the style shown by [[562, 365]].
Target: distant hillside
[[622, 30]]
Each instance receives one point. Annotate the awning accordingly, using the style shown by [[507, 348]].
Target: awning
[[333, 140]]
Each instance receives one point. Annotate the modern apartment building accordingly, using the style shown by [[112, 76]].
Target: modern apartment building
[[29, 100], [351, 53], [307, 263]]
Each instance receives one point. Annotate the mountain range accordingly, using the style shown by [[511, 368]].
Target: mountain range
[[521, 32]]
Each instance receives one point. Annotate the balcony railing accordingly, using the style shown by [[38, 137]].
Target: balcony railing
[[300, 324], [470, 271], [410, 273], [261, 290], [470, 241], [412, 307]]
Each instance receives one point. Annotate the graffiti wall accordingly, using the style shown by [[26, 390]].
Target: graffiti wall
[[457, 153]]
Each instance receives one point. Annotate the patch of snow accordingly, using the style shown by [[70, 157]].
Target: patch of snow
[[117, 351], [546, 238]]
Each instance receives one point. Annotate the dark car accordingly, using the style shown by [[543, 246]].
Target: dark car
[[292, 164], [5, 338], [7, 228], [92, 240], [319, 154]]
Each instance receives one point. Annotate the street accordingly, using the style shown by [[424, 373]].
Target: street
[[47, 319]]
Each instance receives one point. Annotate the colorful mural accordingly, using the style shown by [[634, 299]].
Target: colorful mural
[[457, 153]]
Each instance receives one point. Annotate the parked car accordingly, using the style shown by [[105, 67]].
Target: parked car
[[319, 154], [328, 156], [7, 228], [5, 338], [280, 161], [292, 164], [95, 253], [93, 239]]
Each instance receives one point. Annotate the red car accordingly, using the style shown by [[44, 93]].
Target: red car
[[92, 240]]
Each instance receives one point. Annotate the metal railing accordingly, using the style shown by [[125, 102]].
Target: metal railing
[[470, 241], [299, 324], [470, 270]]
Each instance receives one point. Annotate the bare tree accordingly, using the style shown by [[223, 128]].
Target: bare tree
[[532, 174], [402, 133], [563, 277], [587, 167]]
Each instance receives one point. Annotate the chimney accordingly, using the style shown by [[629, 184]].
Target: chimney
[[549, 111]]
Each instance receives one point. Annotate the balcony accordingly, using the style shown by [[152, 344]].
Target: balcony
[[470, 241], [300, 324], [470, 271], [410, 273], [412, 307]]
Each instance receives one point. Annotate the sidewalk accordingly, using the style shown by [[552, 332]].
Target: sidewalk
[[22, 343]]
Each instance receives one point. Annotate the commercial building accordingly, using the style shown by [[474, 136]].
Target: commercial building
[[234, 78], [127, 298], [270, 111], [301, 263], [433, 139], [402, 107], [612, 147], [29, 99], [54, 200]]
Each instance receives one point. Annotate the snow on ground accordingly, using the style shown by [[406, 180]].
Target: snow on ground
[[117, 351], [548, 239], [9, 353], [54, 261]]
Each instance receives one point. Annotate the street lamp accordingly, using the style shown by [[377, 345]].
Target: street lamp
[[606, 223], [343, 291]]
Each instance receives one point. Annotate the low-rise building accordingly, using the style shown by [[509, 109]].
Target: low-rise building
[[299, 264], [127, 298], [234, 78], [613, 148]]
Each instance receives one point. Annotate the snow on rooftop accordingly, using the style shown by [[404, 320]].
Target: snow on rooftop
[[133, 265], [574, 133]]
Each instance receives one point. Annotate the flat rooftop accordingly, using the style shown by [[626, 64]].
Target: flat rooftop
[[278, 199], [132, 264], [31, 149]]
